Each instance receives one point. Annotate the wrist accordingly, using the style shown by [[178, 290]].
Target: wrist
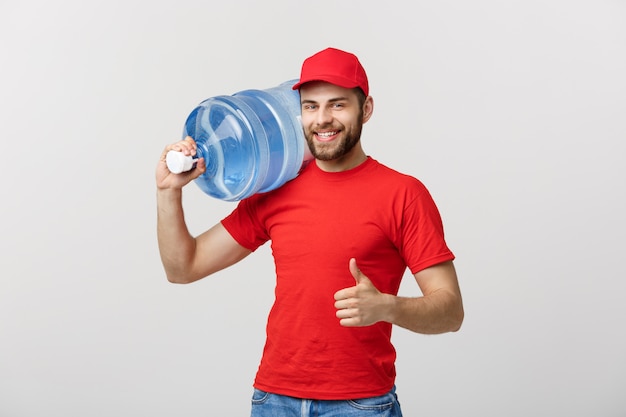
[[164, 193], [391, 307]]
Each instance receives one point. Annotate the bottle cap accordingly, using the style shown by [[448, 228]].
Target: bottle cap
[[178, 162]]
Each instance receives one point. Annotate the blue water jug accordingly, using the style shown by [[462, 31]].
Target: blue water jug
[[252, 142]]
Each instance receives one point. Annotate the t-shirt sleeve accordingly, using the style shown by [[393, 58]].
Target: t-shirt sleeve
[[245, 226], [423, 238]]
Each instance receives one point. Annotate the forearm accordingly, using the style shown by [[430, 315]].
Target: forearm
[[176, 245], [438, 312]]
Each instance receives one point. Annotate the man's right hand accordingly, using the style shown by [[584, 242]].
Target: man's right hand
[[165, 179]]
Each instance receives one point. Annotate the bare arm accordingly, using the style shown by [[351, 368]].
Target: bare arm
[[185, 258], [439, 310]]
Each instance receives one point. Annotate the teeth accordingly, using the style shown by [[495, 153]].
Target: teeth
[[326, 134]]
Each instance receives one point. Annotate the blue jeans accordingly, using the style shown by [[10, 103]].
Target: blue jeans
[[265, 404]]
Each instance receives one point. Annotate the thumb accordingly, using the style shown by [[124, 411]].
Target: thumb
[[356, 272]]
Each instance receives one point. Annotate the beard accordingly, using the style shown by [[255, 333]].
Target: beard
[[337, 148]]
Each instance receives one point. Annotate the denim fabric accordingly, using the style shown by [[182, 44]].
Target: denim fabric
[[265, 404]]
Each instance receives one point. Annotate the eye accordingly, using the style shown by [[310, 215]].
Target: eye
[[309, 107]]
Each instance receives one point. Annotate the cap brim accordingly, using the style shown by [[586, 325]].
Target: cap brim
[[328, 79]]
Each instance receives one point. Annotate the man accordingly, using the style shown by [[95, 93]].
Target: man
[[343, 232]]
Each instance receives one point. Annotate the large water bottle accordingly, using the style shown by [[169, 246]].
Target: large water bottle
[[252, 142]]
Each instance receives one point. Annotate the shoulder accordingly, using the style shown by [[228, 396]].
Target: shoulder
[[395, 179]]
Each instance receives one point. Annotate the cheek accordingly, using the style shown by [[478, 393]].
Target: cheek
[[305, 120]]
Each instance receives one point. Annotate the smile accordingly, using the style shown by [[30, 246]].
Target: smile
[[323, 136]]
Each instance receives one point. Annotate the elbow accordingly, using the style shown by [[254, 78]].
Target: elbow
[[457, 319], [184, 274], [456, 326], [175, 279], [179, 277]]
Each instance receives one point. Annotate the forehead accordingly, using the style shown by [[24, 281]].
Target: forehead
[[322, 91]]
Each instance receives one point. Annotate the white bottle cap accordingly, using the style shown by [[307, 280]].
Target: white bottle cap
[[178, 162]]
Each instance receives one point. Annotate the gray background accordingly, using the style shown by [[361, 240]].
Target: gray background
[[511, 112]]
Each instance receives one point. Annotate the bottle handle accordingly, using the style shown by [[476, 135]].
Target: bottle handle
[[178, 162]]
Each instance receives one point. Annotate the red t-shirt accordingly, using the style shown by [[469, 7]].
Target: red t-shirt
[[316, 223]]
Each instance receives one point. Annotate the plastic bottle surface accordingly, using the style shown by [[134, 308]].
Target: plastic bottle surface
[[252, 142]]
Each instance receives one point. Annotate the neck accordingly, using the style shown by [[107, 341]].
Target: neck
[[351, 160]]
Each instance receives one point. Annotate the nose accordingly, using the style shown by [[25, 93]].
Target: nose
[[323, 116]]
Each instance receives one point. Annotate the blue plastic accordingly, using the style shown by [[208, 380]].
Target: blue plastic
[[252, 141]]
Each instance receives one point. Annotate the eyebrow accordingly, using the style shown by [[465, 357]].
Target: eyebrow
[[332, 100]]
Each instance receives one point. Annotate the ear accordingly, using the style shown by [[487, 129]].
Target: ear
[[368, 108]]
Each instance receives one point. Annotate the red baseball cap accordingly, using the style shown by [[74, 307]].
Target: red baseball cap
[[336, 67]]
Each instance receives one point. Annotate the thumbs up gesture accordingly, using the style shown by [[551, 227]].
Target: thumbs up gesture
[[362, 304]]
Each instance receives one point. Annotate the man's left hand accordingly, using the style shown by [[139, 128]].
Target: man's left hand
[[363, 304]]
